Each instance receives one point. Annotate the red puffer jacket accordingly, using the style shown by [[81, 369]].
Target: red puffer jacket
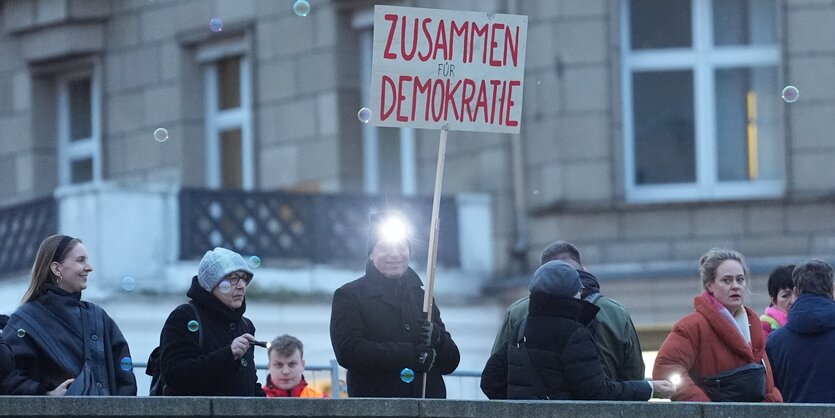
[[705, 343]]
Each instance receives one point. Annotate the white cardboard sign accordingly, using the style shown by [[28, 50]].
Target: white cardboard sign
[[433, 68]]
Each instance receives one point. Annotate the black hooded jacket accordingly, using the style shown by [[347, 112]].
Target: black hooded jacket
[[563, 357], [374, 332], [208, 370]]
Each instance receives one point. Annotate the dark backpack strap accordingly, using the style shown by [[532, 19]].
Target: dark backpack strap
[[521, 343], [199, 322], [29, 313]]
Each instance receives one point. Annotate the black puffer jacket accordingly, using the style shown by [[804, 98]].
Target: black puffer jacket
[[374, 332], [563, 356], [210, 369], [43, 335]]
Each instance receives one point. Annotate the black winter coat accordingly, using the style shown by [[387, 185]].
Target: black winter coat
[[375, 334], [208, 370], [50, 350], [563, 356]]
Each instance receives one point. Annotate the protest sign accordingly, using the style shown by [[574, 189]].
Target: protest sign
[[433, 68]]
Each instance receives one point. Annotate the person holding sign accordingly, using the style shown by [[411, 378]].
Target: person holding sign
[[378, 328]]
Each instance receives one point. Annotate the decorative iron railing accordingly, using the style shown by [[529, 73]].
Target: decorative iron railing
[[317, 228], [22, 228]]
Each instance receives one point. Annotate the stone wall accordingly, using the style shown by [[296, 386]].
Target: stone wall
[[244, 407]]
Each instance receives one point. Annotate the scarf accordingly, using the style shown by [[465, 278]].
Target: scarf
[[740, 320]]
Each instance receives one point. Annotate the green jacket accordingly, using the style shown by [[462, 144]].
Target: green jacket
[[614, 335]]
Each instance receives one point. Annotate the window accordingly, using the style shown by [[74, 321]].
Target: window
[[78, 133], [701, 95], [389, 160], [227, 89]]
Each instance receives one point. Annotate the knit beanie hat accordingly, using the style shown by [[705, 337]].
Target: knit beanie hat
[[375, 223], [216, 264], [556, 278]]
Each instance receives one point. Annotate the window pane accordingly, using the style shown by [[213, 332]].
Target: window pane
[[389, 160], [230, 159], [229, 83], [660, 24], [81, 171], [744, 22], [748, 146], [664, 133], [80, 109]]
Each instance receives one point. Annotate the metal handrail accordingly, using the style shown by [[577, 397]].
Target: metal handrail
[[333, 367]]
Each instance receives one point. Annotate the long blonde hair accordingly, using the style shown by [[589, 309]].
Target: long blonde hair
[[41, 269]]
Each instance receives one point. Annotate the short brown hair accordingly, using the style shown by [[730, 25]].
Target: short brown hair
[[813, 277], [286, 345]]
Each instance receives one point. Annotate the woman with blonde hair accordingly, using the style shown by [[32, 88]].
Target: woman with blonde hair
[[717, 353], [61, 344]]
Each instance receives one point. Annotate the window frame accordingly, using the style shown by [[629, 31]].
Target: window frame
[[217, 121], [363, 22], [80, 149], [703, 59]]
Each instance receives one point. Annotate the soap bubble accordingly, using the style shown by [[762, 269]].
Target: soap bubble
[[301, 8], [161, 134], [216, 24], [255, 261], [193, 326], [407, 375], [21, 332], [791, 94], [128, 283], [126, 364], [224, 287], [364, 115]]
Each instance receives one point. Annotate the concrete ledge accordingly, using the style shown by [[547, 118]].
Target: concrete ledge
[[394, 408]]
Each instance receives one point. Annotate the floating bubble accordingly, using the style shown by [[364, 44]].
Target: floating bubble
[[364, 115], [536, 192], [407, 375], [126, 364], [21, 332], [224, 287], [216, 24], [255, 261], [128, 283], [161, 134], [538, 82], [301, 8], [193, 325], [791, 94]]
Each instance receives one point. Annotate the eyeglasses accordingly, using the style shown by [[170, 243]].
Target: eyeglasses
[[234, 279]]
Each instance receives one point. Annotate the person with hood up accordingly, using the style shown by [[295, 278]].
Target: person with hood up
[[552, 355], [615, 337], [801, 351]]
